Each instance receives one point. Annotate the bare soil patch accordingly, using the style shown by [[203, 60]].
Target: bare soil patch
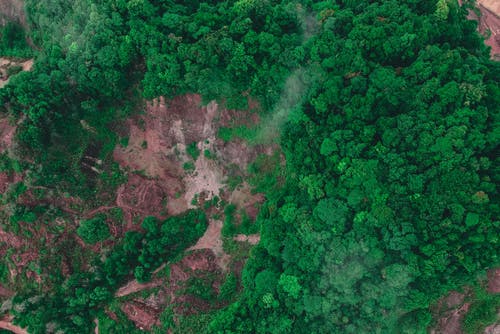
[[143, 317], [489, 21], [252, 239], [494, 281], [212, 240], [8, 63], [493, 329], [244, 199], [134, 286], [164, 178], [144, 312], [7, 132], [451, 310], [12, 10], [6, 323]]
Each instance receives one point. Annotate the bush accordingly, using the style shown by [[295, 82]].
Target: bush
[[193, 150], [93, 230]]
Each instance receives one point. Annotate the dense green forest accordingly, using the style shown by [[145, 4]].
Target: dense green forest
[[387, 113]]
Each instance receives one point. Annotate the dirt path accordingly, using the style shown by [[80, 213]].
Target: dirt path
[[100, 209], [252, 239], [134, 286], [212, 240], [6, 323]]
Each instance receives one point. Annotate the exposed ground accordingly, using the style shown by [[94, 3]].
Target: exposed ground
[[212, 240], [451, 310], [494, 281], [134, 286], [6, 323], [489, 24], [144, 312], [165, 179], [252, 239], [7, 64], [12, 10]]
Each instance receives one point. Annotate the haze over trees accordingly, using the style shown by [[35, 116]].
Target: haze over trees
[[389, 195]]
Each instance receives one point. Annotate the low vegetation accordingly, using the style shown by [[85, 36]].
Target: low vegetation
[[381, 198]]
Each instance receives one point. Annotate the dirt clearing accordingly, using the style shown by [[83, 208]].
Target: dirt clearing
[[489, 21], [6, 323], [134, 286], [175, 162], [7, 131], [10, 66], [175, 159], [212, 240]]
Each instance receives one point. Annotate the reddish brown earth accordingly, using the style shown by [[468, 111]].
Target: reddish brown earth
[[6, 323], [157, 147], [451, 310], [493, 329], [212, 240], [6, 63], [196, 264], [144, 312], [134, 286], [12, 10], [154, 157], [489, 23], [6, 134], [143, 316], [494, 281], [6, 292], [156, 150], [252, 239]]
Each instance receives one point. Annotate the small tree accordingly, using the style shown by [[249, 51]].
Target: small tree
[[93, 230]]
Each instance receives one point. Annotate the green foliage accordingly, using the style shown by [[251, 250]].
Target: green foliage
[[167, 239], [110, 326], [188, 166], [388, 198], [200, 287], [124, 141], [208, 154], [74, 305], [229, 288], [482, 312], [93, 230], [386, 204], [13, 41], [193, 150], [13, 70], [229, 228]]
